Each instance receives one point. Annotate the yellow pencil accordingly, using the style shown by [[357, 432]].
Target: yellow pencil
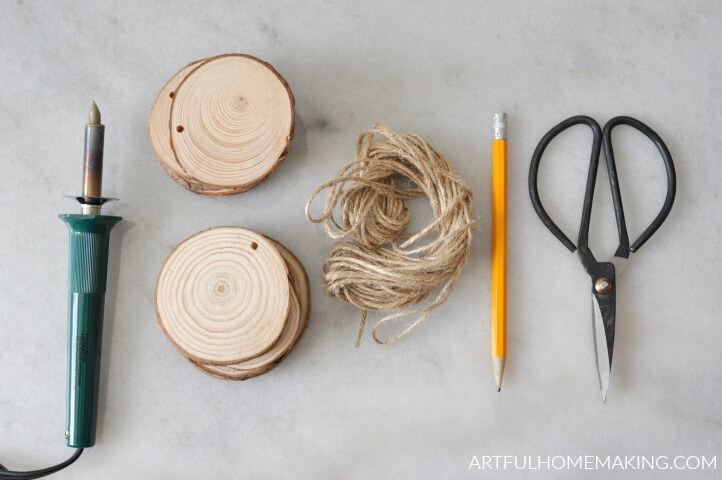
[[498, 247]]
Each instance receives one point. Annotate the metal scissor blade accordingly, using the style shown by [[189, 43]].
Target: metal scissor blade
[[601, 348]]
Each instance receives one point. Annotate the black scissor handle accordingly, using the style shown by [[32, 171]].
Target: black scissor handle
[[591, 179], [602, 136], [614, 183]]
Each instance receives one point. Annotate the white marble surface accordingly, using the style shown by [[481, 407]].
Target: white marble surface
[[424, 407]]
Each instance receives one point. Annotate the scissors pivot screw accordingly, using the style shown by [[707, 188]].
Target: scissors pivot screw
[[603, 285]]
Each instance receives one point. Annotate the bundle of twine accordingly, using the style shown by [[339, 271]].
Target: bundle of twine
[[377, 265]]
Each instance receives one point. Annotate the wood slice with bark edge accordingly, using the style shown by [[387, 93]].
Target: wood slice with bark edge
[[223, 295], [159, 135], [231, 121], [299, 283]]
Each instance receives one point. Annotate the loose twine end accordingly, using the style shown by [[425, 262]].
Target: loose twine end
[[361, 326]]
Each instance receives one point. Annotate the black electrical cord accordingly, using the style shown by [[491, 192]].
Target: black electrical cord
[[5, 474]]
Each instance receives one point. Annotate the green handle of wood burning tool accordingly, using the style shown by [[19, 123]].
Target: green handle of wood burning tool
[[87, 278]]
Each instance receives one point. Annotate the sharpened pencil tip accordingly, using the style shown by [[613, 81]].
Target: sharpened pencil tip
[[498, 363]]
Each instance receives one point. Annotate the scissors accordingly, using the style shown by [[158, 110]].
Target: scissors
[[603, 274]]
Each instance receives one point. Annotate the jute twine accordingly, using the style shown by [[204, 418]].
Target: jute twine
[[376, 265]]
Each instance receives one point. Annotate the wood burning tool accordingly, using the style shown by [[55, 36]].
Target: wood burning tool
[[87, 278], [603, 274]]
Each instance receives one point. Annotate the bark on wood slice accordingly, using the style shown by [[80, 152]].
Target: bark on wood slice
[[231, 120], [263, 363], [223, 296], [159, 134]]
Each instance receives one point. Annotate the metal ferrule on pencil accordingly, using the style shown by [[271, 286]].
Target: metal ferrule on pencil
[[499, 124]]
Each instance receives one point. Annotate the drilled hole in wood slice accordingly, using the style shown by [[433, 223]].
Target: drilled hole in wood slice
[[179, 128], [238, 117], [263, 363], [158, 127], [218, 303], [254, 245]]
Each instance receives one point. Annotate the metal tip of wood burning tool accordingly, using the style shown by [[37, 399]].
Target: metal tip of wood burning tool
[[94, 114], [93, 158]]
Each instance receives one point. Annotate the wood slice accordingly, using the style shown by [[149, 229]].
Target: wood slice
[[231, 120], [267, 360], [300, 307], [159, 134], [223, 296]]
